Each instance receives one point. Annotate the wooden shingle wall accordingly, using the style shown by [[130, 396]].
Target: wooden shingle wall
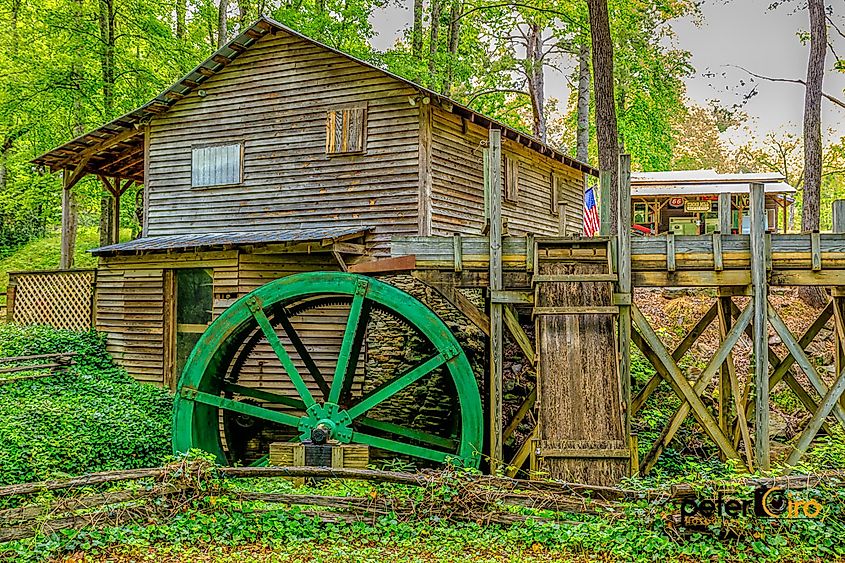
[[274, 99], [457, 183]]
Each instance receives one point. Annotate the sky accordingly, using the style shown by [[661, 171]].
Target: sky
[[732, 32]]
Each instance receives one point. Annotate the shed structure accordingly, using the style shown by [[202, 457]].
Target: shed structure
[[685, 202]]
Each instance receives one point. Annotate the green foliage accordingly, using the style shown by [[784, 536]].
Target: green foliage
[[222, 527], [94, 417]]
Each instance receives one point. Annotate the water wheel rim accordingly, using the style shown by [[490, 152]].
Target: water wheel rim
[[195, 417]]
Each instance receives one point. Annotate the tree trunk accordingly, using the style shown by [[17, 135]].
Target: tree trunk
[[582, 151], [434, 38], [607, 134], [454, 43], [813, 134], [107, 37], [181, 10], [417, 30], [222, 29], [105, 220], [536, 81]]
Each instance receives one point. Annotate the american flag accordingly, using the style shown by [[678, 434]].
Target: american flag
[[591, 213]]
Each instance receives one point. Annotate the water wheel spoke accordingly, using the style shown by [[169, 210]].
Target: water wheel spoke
[[281, 353], [247, 409], [265, 396], [350, 348], [400, 447], [410, 433], [390, 388], [303, 352]]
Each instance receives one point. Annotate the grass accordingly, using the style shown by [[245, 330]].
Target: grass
[[44, 254]]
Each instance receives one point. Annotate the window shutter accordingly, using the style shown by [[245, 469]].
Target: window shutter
[[511, 173], [345, 130], [216, 166], [555, 186]]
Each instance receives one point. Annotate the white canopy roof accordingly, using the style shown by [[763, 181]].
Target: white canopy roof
[[704, 182]]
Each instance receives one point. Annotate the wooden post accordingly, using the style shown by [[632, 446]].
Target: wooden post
[[725, 394], [494, 181], [604, 203], [838, 209], [838, 216], [11, 289], [760, 326], [623, 269], [115, 213], [68, 222], [725, 218]]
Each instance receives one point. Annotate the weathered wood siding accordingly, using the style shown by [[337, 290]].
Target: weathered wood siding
[[131, 304], [273, 99], [131, 310], [457, 204]]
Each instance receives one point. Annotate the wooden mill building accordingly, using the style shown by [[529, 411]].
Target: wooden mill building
[[279, 154]]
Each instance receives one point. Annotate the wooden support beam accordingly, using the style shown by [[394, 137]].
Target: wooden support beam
[[520, 414], [623, 269], [451, 293], [681, 349], [511, 319], [670, 252], [802, 360], [683, 388], [523, 453], [729, 386], [83, 156], [494, 181], [830, 400], [718, 260], [397, 264], [759, 299], [69, 222]]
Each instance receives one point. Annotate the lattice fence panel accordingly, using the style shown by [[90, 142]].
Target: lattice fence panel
[[59, 299]]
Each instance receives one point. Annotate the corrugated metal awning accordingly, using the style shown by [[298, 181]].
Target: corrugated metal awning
[[214, 240]]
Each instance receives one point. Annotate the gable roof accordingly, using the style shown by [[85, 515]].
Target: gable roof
[[117, 148]]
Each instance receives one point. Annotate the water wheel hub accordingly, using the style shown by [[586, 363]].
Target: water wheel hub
[[329, 419]]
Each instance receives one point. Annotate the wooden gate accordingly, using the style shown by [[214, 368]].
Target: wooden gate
[[58, 298]]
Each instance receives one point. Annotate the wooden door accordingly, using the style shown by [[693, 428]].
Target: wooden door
[[188, 312]]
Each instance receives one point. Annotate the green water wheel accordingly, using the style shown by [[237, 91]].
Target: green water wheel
[[209, 393]]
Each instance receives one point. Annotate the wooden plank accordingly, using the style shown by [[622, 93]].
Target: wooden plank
[[579, 453], [457, 252], [586, 310], [574, 278], [725, 214], [718, 262], [384, 265], [670, 252], [760, 326], [513, 297], [494, 181], [815, 251]]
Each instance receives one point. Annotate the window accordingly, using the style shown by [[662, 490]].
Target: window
[[511, 191], [345, 131], [218, 165]]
